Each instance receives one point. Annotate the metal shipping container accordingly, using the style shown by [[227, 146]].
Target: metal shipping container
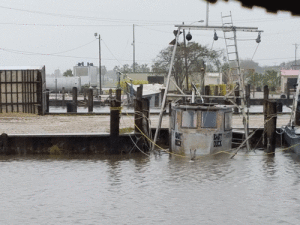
[[23, 89]]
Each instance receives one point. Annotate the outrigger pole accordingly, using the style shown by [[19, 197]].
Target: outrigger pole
[[166, 90]]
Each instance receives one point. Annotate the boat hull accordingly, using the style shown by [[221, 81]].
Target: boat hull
[[292, 138]]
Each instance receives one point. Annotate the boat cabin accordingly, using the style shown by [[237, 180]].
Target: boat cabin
[[200, 129]]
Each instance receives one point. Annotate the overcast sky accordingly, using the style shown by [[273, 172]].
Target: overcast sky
[[60, 33]]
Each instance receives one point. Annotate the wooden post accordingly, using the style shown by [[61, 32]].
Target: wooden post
[[162, 95], [297, 114], [266, 97], [279, 106], [115, 123], [145, 120], [138, 110], [74, 95], [271, 126], [206, 92], [237, 101], [248, 95], [47, 100], [63, 96], [90, 100], [288, 95], [3, 143], [216, 90]]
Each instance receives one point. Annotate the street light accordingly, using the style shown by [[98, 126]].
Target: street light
[[99, 62]]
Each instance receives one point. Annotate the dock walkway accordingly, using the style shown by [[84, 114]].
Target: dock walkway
[[96, 124]]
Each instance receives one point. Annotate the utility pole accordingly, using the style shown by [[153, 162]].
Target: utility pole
[[133, 44], [207, 6], [296, 46], [100, 84]]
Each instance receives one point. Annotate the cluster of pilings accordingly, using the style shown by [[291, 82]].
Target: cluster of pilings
[[141, 121]]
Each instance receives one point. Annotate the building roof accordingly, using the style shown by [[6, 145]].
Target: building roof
[[21, 67], [289, 72]]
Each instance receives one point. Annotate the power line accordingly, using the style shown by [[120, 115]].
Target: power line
[[83, 17]]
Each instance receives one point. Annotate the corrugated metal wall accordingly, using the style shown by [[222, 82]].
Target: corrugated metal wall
[[22, 91]]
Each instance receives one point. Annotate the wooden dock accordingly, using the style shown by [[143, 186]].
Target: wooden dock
[[99, 124]]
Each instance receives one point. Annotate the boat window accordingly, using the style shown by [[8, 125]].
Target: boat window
[[209, 119], [228, 121], [189, 119]]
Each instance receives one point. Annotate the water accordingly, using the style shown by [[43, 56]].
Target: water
[[136, 189]]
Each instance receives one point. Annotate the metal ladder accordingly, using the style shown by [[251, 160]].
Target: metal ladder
[[231, 47], [234, 63]]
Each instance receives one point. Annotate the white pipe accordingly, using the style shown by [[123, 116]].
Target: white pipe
[[193, 95]]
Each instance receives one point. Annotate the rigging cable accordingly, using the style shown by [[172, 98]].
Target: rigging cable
[[255, 51]]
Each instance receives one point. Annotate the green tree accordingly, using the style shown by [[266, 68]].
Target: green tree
[[196, 55], [68, 73], [271, 78]]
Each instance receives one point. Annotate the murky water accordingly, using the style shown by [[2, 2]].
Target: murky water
[[136, 189]]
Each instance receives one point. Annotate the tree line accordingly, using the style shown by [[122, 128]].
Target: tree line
[[194, 58]]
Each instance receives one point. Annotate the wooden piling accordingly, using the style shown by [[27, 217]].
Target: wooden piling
[[63, 96], [115, 123], [271, 108], [216, 90], [297, 114], [3, 143], [248, 87], [162, 96], [138, 110], [266, 97], [90, 100], [206, 92], [47, 100], [288, 92], [238, 100], [74, 100]]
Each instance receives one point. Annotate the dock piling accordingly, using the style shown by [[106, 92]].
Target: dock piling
[[74, 95], [206, 92], [90, 100], [115, 123], [63, 96], [266, 97], [47, 100], [271, 110], [238, 102]]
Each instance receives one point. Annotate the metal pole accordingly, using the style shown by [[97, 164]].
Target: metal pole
[[100, 84], [207, 5], [166, 90], [185, 57], [296, 54], [133, 44]]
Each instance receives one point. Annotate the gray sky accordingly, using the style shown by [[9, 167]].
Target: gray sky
[[59, 34]]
